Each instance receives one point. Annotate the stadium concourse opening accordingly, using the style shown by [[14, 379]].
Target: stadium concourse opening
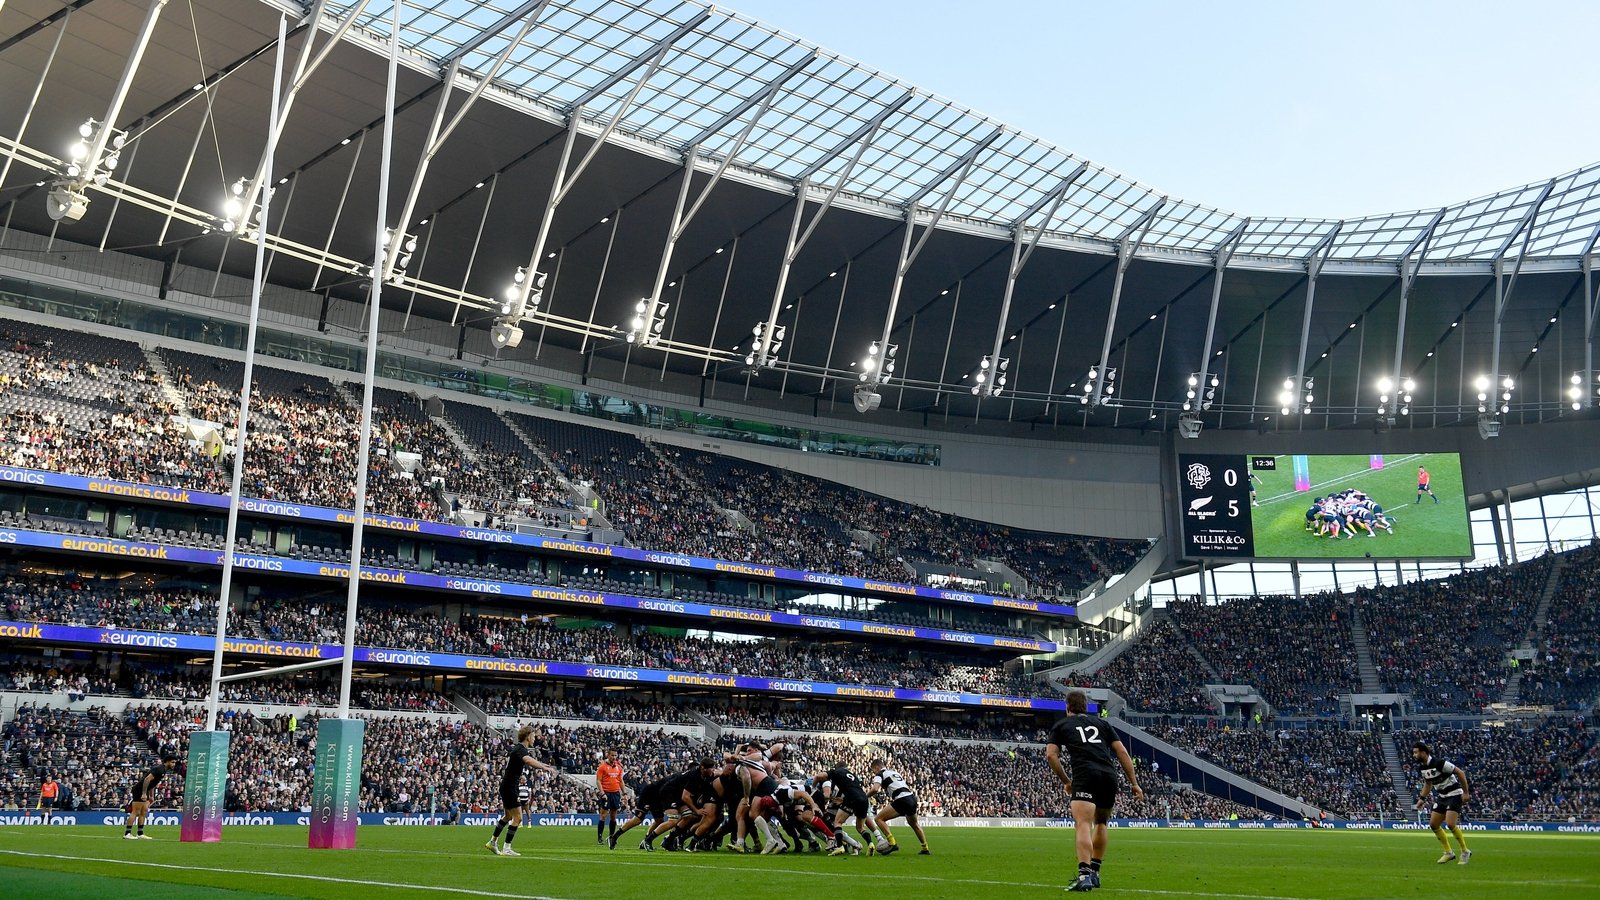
[[600, 432]]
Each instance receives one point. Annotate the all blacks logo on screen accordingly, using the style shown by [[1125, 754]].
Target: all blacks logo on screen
[[1214, 492]]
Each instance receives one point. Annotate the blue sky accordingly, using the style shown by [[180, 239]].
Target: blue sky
[[1261, 108]]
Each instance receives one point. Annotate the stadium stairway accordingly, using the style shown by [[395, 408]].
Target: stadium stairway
[[1365, 666], [1205, 664], [736, 518], [1103, 656], [1398, 776], [711, 730], [169, 391], [462, 446], [342, 391], [585, 498], [1184, 767], [474, 713], [1536, 629]]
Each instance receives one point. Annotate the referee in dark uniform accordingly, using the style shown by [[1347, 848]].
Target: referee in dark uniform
[[1094, 750]]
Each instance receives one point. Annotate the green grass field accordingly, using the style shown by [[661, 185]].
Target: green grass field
[[1421, 530], [565, 864]]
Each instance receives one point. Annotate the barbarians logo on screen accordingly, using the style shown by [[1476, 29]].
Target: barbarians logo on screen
[[1199, 475]]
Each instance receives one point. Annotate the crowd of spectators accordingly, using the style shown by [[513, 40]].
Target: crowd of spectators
[[45, 598], [1447, 642], [1157, 673], [412, 766], [1326, 767], [803, 515], [103, 413], [1296, 650], [1565, 669], [984, 779], [91, 754], [1547, 770]]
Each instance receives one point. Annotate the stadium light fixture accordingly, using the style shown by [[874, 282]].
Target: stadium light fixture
[[90, 160], [877, 366], [403, 247], [1583, 391], [1194, 396], [523, 295], [236, 219], [1296, 395], [991, 376], [773, 346]]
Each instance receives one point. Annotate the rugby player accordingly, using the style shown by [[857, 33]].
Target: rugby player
[[1094, 749], [520, 758], [902, 801], [843, 792], [144, 791], [1448, 784]]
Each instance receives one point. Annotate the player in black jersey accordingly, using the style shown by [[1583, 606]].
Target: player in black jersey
[[520, 758], [673, 802], [1094, 750], [144, 791], [843, 791], [1447, 782]]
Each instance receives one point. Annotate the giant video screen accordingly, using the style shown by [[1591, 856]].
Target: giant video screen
[[1323, 506]]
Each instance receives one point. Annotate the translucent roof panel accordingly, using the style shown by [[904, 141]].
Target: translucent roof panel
[[717, 66]]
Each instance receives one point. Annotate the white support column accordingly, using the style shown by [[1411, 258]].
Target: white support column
[[1503, 289], [1022, 248], [1220, 258], [1591, 305], [67, 199], [908, 254], [1408, 278], [1315, 260], [513, 312], [862, 139], [1127, 246], [439, 133], [305, 67], [681, 218]]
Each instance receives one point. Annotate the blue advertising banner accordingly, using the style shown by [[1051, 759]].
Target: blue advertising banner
[[79, 483], [73, 634], [510, 589]]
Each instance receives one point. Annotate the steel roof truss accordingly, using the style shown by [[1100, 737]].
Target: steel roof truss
[[1127, 246], [438, 132]]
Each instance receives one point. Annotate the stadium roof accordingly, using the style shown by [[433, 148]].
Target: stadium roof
[[719, 59], [682, 84]]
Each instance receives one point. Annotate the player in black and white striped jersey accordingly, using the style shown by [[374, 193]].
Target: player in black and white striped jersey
[[1448, 784], [899, 800]]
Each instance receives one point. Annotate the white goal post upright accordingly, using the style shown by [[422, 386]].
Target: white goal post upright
[[336, 785], [206, 771]]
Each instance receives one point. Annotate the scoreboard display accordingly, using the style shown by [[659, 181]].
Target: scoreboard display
[[1214, 490], [1329, 506]]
